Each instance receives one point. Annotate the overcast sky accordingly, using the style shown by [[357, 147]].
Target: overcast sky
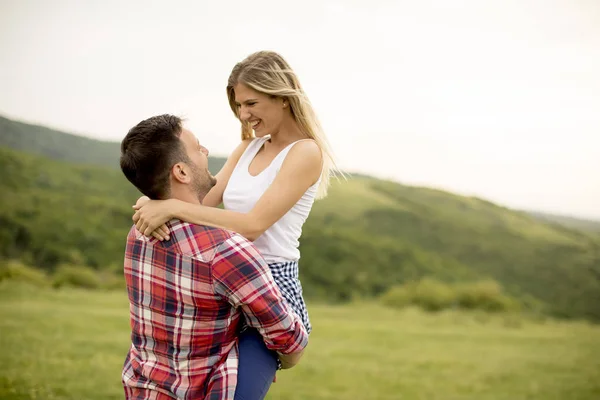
[[498, 99]]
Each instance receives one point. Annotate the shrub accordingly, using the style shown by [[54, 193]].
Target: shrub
[[429, 294], [485, 295], [433, 295], [16, 271], [397, 297], [73, 276]]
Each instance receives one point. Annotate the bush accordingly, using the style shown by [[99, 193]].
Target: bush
[[485, 295], [397, 297], [432, 295], [72, 276], [429, 294], [16, 271]]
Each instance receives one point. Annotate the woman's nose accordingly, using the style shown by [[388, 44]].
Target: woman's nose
[[244, 114]]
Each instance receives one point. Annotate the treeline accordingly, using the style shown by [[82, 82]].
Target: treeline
[[57, 145]]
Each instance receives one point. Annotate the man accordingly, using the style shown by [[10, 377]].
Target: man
[[188, 294]]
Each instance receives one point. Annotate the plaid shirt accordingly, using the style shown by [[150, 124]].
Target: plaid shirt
[[187, 296]]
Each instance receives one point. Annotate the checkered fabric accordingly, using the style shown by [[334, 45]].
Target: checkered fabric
[[286, 277], [187, 296]]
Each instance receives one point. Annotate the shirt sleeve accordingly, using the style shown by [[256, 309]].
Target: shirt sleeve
[[241, 275]]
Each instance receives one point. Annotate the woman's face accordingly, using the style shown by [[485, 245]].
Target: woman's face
[[263, 112]]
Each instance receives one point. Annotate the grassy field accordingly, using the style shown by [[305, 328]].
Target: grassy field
[[70, 344]]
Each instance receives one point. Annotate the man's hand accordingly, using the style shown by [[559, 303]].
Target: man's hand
[[290, 360]]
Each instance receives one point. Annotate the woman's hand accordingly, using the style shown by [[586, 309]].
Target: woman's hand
[[150, 217]]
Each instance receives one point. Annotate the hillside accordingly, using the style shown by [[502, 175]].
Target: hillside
[[62, 146], [400, 232], [570, 222], [367, 236]]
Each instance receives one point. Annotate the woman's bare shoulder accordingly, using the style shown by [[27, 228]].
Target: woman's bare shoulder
[[306, 149]]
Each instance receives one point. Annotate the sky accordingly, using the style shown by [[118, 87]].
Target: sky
[[495, 99]]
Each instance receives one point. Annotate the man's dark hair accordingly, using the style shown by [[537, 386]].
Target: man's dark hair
[[149, 151]]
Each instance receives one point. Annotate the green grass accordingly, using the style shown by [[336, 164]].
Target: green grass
[[70, 344]]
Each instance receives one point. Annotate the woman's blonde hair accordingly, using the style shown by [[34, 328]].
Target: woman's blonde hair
[[267, 72]]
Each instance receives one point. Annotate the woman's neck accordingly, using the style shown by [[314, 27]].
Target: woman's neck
[[288, 132]]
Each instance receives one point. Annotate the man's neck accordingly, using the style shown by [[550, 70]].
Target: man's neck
[[185, 195]]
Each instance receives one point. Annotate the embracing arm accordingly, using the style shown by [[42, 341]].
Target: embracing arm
[[300, 170], [242, 277]]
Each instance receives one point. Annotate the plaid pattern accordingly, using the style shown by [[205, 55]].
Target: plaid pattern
[[187, 296], [286, 277]]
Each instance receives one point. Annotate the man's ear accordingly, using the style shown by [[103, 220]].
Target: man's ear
[[181, 173]]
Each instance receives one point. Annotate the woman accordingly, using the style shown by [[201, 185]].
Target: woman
[[267, 187]]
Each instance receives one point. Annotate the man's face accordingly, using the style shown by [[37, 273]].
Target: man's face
[[202, 179]]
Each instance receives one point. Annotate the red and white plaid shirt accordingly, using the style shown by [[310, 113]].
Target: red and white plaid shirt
[[187, 296]]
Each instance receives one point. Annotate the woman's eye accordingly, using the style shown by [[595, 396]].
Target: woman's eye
[[251, 104]]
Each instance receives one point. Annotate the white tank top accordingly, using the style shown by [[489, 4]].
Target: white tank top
[[279, 242]]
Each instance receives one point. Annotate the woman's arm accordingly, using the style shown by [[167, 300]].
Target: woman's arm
[[215, 196], [213, 199], [300, 170]]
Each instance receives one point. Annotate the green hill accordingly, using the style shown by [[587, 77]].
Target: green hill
[[63, 146], [396, 232], [66, 147], [570, 222], [366, 237], [53, 212]]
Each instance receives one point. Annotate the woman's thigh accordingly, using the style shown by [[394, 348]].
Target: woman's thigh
[[257, 367]]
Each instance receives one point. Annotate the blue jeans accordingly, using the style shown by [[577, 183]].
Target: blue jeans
[[256, 368]]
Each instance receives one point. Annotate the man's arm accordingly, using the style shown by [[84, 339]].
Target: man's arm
[[242, 276]]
